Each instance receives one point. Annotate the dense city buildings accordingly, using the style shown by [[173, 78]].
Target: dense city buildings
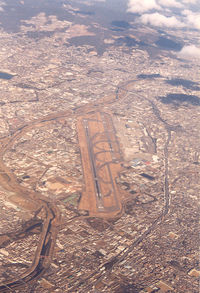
[[99, 151]]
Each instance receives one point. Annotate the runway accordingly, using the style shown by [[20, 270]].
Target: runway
[[101, 157]]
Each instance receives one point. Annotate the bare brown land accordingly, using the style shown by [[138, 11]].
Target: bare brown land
[[30, 201], [101, 197], [35, 202]]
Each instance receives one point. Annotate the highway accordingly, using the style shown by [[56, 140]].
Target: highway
[[105, 268], [101, 197]]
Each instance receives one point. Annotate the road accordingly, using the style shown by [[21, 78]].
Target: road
[[101, 159], [44, 252], [105, 268]]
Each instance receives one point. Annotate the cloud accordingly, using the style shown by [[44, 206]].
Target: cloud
[[2, 3], [158, 19], [163, 13], [138, 6], [192, 18], [189, 1], [170, 3], [190, 51]]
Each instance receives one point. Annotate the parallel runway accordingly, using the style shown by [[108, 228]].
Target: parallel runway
[[101, 159]]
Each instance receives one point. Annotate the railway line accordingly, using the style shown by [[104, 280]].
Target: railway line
[[106, 267], [101, 161], [29, 199], [44, 252]]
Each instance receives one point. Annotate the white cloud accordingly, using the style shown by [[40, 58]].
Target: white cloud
[[140, 6], [189, 1], [170, 3], [166, 16], [186, 12], [158, 19], [193, 19], [190, 51], [2, 3]]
